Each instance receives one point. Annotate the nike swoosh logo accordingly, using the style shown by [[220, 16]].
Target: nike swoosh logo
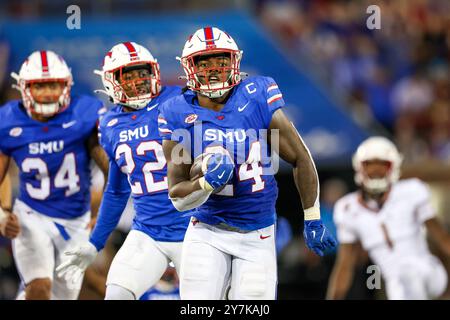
[[240, 109], [152, 107], [68, 124], [221, 175], [263, 237]]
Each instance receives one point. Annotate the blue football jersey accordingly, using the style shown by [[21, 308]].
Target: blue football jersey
[[248, 201], [133, 141], [52, 156]]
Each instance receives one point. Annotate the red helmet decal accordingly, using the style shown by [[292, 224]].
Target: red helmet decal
[[44, 62], [209, 37], [131, 50]]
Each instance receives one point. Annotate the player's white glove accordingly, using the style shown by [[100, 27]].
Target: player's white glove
[[78, 259]]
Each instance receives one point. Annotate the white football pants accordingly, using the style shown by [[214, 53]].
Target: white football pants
[[40, 247], [141, 261], [421, 278], [214, 259]]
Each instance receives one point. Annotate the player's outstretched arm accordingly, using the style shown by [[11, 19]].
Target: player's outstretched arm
[[342, 275], [292, 149], [113, 204], [438, 235], [184, 193]]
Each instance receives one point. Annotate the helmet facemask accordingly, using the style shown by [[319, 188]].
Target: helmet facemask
[[55, 104], [44, 81], [134, 85], [213, 81], [387, 161], [374, 182]]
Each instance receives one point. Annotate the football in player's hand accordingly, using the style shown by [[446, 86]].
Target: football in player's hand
[[196, 170]]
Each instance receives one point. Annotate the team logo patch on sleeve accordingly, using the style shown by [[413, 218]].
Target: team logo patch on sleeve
[[102, 110], [191, 118], [112, 122], [15, 132]]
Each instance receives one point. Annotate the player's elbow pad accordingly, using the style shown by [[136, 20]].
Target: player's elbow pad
[[191, 201]]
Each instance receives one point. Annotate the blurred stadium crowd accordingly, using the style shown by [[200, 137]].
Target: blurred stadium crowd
[[394, 81], [397, 76]]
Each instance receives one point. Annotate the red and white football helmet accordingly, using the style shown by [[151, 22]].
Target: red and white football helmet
[[124, 56], [377, 148], [43, 66], [207, 41]]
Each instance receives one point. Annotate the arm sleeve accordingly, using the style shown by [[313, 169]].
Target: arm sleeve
[[165, 128], [101, 112], [113, 203], [103, 139], [273, 98], [4, 151]]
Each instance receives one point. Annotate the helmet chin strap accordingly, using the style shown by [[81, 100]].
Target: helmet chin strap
[[137, 104], [46, 109], [216, 93]]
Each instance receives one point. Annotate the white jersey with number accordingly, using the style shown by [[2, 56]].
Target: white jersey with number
[[393, 233], [395, 239]]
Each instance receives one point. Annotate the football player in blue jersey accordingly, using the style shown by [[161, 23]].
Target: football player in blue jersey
[[52, 137], [129, 134], [232, 124]]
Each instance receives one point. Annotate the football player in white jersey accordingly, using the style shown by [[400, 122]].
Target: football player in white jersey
[[389, 218]]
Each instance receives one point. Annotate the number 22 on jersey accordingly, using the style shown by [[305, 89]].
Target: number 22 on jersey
[[147, 169]]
